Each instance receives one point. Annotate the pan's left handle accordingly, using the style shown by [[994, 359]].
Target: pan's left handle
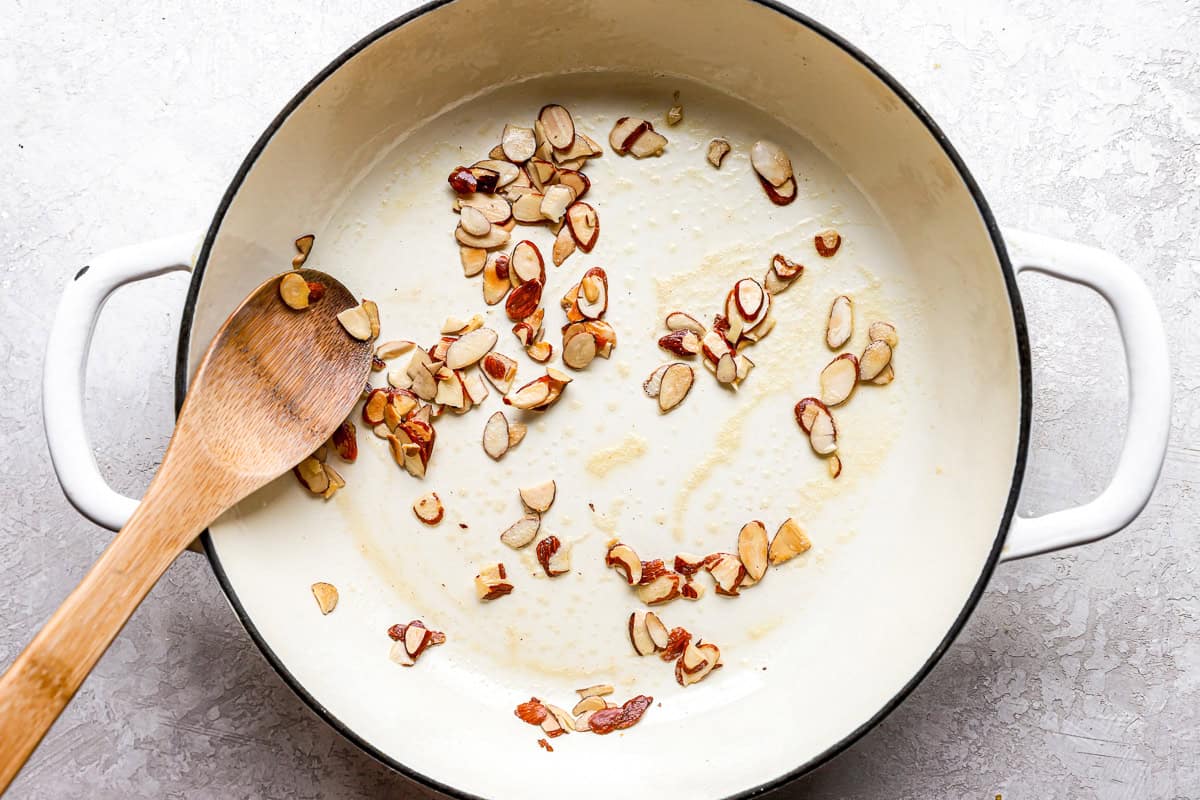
[[66, 368], [1149, 420]]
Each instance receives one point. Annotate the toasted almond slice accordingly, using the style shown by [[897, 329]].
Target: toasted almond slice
[[877, 356], [470, 347], [827, 242], [372, 311], [496, 278], [657, 630], [599, 690], [428, 508], [649, 143], [522, 532], [693, 658], [653, 385], [451, 326], [786, 268], [304, 246], [564, 719], [674, 386], [688, 563], [771, 162], [552, 727], [790, 541], [823, 434], [742, 365], [885, 377], [806, 412], [691, 590], [506, 170], [399, 655], [500, 370], [541, 173], [555, 201], [714, 345], [835, 466], [576, 180], [531, 396], [838, 379], [495, 237], [495, 436], [592, 300], [527, 207], [382, 431], [326, 595], [726, 369], [884, 332], [624, 132], [564, 245], [416, 638], [526, 264], [727, 571], [336, 481], [473, 260], [679, 321], [717, 150], [841, 322], [622, 558], [516, 432], [492, 582], [682, 343], [639, 635], [356, 322], [557, 126], [748, 297], [518, 143], [312, 475], [752, 549], [494, 207], [540, 351], [450, 389], [540, 497], [473, 221], [662, 589], [589, 703], [779, 195], [579, 350], [554, 556], [293, 290], [523, 300], [707, 660], [393, 349], [584, 225], [675, 114]]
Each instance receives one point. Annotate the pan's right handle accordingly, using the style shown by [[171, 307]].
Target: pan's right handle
[[66, 368], [1149, 421]]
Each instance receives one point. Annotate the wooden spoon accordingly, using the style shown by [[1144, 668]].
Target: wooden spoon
[[273, 386]]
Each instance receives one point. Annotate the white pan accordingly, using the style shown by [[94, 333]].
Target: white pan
[[904, 541]]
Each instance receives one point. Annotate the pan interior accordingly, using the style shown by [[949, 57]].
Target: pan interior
[[900, 538]]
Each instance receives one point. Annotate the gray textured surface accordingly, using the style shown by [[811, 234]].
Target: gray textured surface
[[1078, 676]]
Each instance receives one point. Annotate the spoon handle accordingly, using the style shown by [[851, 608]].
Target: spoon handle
[[44, 678]]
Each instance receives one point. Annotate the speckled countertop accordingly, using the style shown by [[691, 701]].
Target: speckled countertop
[[1079, 674]]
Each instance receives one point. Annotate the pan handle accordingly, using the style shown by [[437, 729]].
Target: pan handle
[[66, 368], [1149, 422]]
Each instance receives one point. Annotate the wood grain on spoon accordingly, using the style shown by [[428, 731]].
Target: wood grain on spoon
[[273, 386]]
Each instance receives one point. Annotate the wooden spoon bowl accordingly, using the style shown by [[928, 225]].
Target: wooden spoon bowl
[[272, 387]]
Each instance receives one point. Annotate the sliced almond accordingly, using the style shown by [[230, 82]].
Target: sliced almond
[[473, 221], [523, 300], [564, 245], [500, 370], [709, 659], [592, 300], [495, 237], [312, 475], [752, 549], [584, 225], [835, 466], [553, 556], [540, 351], [679, 321], [727, 571], [657, 630], [622, 558], [675, 112], [682, 343], [717, 150], [336, 481], [541, 173], [494, 207], [450, 326], [827, 242], [748, 297], [399, 655], [691, 590], [841, 322], [496, 278], [662, 589], [713, 345], [790, 541], [495, 436], [639, 635], [518, 143], [688, 563], [599, 690], [780, 195], [576, 180], [492, 582], [326, 595], [625, 132], [875, 357], [357, 322], [557, 125], [693, 658], [552, 726], [304, 246], [526, 264], [527, 208], [589, 703], [771, 162], [823, 434], [522, 532], [470, 347], [393, 349], [450, 389], [649, 143], [293, 290], [540, 497], [653, 385], [885, 377], [806, 412], [428, 508], [565, 720], [838, 379], [675, 384], [579, 350], [532, 395], [555, 201], [884, 332], [506, 170], [516, 432], [726, 369]]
